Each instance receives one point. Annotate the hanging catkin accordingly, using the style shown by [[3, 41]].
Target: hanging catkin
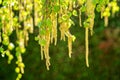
[[54, 28], [46, 48], [91, 14], [70, 39], [80, 21], [87, 46], [20, 61]]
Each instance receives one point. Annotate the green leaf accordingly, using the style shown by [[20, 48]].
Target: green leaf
[[1, 49], [107, 1], [40, 24], [17, 70], [5, 39], [8, 53], [74, 13], [64, 17], [56, 8], [48, 22], [17, 54], [42, 32], [19, 75], [102, 2], [95, 2], [86, 24], [5, 3], [5, 42], [98, 8], [17, 49], [69, 14], [0, 1], [36, 38], [83, 9], [42, 42]]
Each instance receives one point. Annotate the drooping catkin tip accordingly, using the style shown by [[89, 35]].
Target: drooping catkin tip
[[87, 62], [91, 32], [87, 47], [70, 56], [70, 53], [106, 21], [48, 68], [87, 65]]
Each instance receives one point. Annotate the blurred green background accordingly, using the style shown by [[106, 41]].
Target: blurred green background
[[104, 57]]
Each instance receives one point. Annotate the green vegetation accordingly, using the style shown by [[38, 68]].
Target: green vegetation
[[23, 23]]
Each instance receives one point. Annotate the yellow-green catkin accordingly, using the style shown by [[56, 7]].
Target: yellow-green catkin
[[90, 7], [54, 28], [80, 21], [91, 14], [87, 46], [70, 40]]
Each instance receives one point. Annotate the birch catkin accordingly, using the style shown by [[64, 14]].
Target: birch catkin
[[87, 46]]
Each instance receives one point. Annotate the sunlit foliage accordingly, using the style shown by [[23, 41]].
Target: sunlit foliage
[[49, 16]]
